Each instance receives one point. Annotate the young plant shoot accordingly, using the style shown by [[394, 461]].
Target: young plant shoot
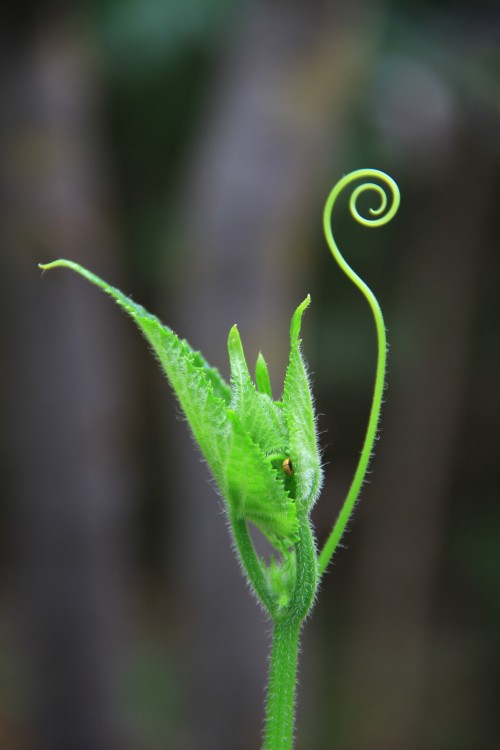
[[264, 454]]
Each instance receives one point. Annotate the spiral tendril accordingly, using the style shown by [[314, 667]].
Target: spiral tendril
[[381, 216]]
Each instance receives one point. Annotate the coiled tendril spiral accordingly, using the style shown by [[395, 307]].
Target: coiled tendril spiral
[[380, 216]]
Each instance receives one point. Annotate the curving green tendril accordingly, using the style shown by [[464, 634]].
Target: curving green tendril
[[380, 217]]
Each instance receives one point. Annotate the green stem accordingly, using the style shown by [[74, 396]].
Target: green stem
[[280, 707], [371, 432], [251, 565], [281, 691]]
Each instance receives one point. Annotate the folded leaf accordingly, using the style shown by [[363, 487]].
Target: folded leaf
[[202, 392], [262, 453], [262, 380], [299, 414], [193, 384], [259, 415], [256, 491]]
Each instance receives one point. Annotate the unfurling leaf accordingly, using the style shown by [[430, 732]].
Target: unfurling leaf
[[249, 441]]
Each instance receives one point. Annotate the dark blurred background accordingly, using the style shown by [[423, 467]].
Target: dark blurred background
[[183, 151]]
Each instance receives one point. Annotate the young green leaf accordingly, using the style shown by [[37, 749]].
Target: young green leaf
[[260, 417], [193, 384], [244, 435], [256, 492], [200, 389], [262, 380], [299, 414]]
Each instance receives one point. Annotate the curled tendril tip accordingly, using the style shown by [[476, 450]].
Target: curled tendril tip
[[380, 215], [378, 212]]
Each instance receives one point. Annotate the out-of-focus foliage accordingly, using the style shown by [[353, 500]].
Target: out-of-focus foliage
[[157, 58], [141, 37]]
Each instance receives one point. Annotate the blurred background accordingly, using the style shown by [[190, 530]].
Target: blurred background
[[184, 151]]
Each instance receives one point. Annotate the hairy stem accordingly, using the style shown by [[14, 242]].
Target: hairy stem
[[251, 565], [281, 691], [280, 708]]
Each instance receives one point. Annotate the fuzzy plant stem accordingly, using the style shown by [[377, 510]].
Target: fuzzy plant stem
[[251, 565], [280, 706]]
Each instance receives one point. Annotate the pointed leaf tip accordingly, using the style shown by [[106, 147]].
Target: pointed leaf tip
[[50, 264], [299, 413], [262, 379], [234, 336], [235, 345], [297, 319], [237, 361]]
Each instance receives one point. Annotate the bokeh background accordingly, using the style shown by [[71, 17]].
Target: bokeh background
[[183, 151]]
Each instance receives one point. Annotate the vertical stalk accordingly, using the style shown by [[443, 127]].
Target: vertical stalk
[[281, 692]]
